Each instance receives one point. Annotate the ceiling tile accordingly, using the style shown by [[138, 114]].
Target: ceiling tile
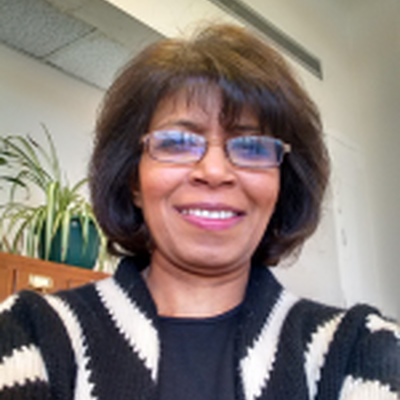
[[88, 39], [94, 58], [36, 27]]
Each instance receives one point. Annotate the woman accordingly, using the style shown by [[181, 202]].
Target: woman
[[208, 166]]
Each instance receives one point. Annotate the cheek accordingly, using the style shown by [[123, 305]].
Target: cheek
[[274, 193], [264, 190], [157, 183]]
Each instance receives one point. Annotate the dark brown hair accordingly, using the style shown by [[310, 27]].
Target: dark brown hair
[[248, 73]]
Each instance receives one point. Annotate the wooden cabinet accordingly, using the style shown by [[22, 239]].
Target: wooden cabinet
[[17, 273]]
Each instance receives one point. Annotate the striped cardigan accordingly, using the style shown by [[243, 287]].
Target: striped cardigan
[[101, 342]]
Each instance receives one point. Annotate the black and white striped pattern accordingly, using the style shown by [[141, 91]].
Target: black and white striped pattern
[[142, 335], [101, 342], [258, 363]]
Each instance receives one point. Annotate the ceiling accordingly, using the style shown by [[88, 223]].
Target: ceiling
[[92, 39], [88, 39]]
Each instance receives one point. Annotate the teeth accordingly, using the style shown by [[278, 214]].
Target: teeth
[[209, 214]]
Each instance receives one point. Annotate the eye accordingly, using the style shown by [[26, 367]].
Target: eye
[[251, 147], [173, 146], [177, 142]]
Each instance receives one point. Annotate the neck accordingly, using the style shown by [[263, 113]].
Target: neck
[[178, 292]]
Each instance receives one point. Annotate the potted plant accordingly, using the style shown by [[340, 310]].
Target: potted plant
[[61, 227]]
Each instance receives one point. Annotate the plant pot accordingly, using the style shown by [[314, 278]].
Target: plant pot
[[79, 253]]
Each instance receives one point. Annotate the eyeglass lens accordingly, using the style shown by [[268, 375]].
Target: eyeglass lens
[[186, 147], [177, 146]]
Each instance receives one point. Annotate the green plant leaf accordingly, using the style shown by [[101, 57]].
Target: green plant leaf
[[26, 164], [65, 230], [50, 216], [52, 157], [25, 155]]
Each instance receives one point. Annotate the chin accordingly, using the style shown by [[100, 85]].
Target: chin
[[211, 264]]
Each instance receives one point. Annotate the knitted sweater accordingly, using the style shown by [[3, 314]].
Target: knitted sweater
[[101, 342]]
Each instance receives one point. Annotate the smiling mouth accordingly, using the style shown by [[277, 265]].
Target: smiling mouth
[[210, 214]]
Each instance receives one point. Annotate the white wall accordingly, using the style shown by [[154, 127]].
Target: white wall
[[375, 66], [359, 45], [32, 93]]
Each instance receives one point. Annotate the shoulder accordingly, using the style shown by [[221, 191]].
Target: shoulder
[[34, 346], [356, 351], [29, 311], [45, 337], [31, 316], [373, 368]]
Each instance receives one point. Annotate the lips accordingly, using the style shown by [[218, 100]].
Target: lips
[[211, 216]]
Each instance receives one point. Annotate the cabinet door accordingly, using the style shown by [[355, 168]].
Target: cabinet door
[[41, 281], [76, 282], [6, 282], [18, 273]]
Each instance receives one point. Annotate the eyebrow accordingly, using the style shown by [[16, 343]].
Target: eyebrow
[[245, 128], [187, 124], [198, 128]]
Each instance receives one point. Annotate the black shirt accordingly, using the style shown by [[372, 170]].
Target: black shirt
[[197, 358]]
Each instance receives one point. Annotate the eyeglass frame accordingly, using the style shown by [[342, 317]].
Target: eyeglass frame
[[144, 140]]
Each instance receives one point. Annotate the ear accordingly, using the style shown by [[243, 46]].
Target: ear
[[137, 198]]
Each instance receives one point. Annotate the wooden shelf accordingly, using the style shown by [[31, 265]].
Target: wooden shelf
[[18, 273]]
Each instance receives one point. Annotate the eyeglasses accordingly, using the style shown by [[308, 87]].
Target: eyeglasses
[[179, 147]]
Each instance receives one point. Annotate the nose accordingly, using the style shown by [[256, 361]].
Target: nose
[[214, 169]]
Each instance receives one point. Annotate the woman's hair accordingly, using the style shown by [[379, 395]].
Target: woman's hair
[[249, 74]]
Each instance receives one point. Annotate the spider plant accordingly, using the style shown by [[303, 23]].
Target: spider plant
[[26, 228]]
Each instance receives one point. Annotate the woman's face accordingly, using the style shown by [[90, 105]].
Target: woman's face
[[206, 218]]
